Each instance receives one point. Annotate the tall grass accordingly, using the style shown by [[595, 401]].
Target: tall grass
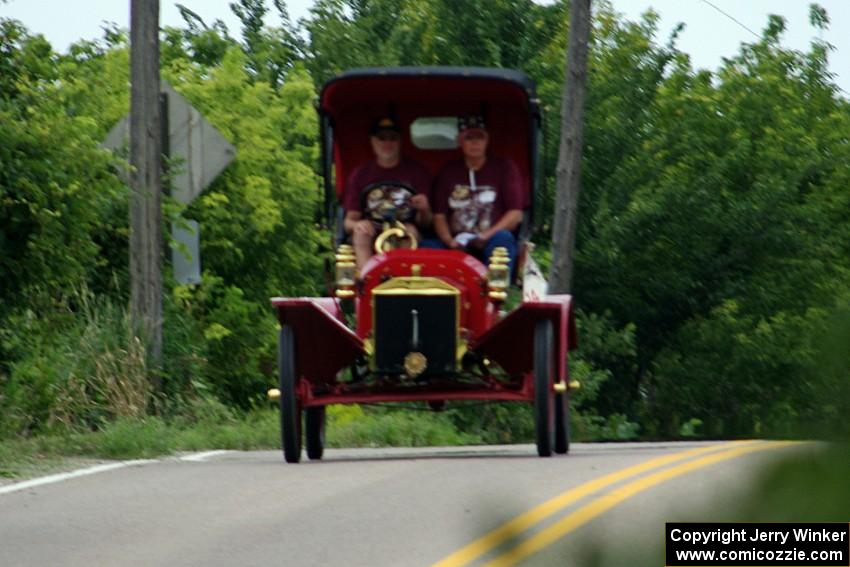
[[80, 368], [108, 372]]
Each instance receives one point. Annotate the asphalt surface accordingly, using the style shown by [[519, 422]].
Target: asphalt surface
[[368, 507]]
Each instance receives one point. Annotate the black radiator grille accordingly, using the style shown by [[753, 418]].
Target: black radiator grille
[[394, 332]]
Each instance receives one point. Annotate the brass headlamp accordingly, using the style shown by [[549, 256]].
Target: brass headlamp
[[498, 275], [345, 271]]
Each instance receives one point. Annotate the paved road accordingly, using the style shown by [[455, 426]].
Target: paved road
[[375, 507]]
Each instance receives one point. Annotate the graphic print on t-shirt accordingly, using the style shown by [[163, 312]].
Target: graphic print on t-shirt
[[384, 199], [472, 208]]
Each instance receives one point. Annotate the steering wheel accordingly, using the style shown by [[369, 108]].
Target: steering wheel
[[387, 202], [392, 236]]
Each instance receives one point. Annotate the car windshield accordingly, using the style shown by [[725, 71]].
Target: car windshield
[[434, 133]]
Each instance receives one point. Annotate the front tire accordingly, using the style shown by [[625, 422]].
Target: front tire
[[543, 394], [290, 407]]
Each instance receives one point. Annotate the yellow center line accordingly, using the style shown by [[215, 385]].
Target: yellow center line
[[607, 501], [542, 511]]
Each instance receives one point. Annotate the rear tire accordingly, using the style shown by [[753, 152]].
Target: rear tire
[[562, 423], [290, 407], [314, 421], [543, 394]]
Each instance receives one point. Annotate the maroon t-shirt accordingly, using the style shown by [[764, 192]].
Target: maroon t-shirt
[[385, 191], [474, 201]]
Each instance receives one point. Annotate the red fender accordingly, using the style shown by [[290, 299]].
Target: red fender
[[510, 342], [324, 345]]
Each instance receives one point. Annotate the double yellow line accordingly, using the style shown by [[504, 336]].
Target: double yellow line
[[543, 538]]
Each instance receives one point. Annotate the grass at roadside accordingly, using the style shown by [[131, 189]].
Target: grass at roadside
[[207, 424], [133, 439], [348, 426]]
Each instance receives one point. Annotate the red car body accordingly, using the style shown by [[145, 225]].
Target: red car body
[[520, 355]]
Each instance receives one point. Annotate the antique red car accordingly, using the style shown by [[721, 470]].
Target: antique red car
[[428, 325]]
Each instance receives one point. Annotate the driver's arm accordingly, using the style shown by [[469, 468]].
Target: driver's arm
[[424, 218], [424, 215], [350, 220]]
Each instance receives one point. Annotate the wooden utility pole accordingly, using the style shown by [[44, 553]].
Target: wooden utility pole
[[568, 179], [145, 180]]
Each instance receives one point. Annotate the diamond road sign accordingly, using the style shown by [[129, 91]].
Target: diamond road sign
[[201, 153]]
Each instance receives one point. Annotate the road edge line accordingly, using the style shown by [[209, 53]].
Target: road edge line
[[203, 456], [61, 477]]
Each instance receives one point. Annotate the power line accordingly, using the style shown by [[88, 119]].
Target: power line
[[737, 21], [733, 18]]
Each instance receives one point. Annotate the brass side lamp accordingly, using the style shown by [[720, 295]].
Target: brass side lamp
[[498, 275], [346, 271]]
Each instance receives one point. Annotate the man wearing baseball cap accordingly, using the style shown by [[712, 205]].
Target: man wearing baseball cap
[[389, 181], [478, 198]]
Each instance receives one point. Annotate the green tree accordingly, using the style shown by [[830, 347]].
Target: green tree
[[355, 33], [709, 236], [55, 182], [713, 246], [258, 238]]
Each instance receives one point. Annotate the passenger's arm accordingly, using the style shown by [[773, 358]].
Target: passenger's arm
[[509, 221], [512, 193], [441, 227]]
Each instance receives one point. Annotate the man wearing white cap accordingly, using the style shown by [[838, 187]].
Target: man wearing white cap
[[478, 199]]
